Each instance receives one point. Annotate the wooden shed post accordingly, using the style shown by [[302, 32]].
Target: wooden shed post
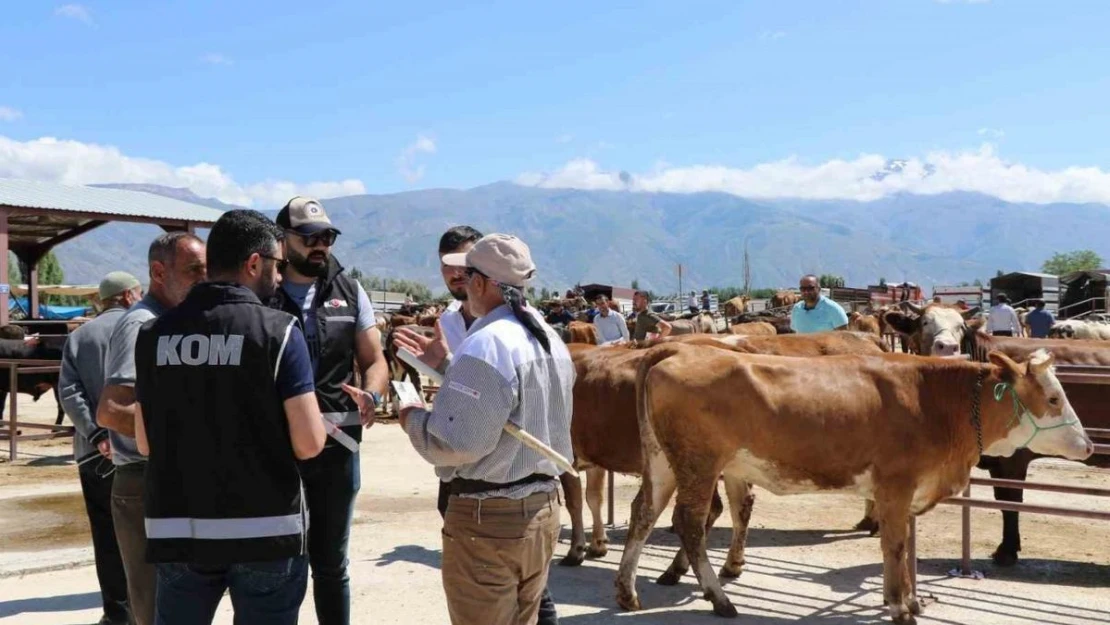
[[4, 266]]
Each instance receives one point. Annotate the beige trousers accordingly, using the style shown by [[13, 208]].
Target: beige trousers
[[496, 554]]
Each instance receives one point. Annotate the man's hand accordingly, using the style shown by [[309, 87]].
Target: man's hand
[[365, 401], [431, 351], [105, 448]]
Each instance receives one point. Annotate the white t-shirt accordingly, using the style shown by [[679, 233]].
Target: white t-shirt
[[453, 326]]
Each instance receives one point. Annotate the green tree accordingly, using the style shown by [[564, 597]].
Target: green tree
[[635, 284], [418, 290], [977, 282], [15, 274], [829, 281], [882, 281], [545, 294], [1067, 262]]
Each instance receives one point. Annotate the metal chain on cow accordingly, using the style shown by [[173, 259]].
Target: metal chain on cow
[[1020, 412], [976, 402]]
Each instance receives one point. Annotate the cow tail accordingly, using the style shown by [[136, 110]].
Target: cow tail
[[648, 440]]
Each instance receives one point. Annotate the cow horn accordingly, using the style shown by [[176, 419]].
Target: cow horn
[[914, 308]]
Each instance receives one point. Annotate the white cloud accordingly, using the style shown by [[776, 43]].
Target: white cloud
[[8, 114], [76, 163], [406, 160], [215, 58], [772, 35], [74, 12], [992, 133], [867, 177]]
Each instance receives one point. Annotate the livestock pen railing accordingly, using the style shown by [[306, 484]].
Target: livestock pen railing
[[16, 367], [1072, 374]]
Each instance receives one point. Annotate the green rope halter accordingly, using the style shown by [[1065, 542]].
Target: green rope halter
[[1020, 412]]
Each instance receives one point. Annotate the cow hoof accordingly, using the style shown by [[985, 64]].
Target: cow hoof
[[1004, 557], [867, 525], [915, 606], [574, 557], [731, 572], [724, 608], [670, 577], [628, 601], [597, 551]]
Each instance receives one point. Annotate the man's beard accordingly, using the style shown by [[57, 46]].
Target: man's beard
[[459, 294], [315, 265]]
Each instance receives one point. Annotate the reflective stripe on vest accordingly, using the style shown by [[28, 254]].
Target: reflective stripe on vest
[[343, 419], [225, 529]]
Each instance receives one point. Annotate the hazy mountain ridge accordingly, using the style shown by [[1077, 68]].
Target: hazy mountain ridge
[[617, 236]]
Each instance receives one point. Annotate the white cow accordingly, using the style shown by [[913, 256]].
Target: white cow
[[1079, 329]]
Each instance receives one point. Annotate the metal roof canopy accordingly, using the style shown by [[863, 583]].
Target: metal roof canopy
[[37, 216]]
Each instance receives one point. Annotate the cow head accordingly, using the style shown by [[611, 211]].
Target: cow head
[[1043, 419], [939, 329], [1061, 331]]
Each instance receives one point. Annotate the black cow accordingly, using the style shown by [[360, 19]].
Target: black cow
[[13, 346]]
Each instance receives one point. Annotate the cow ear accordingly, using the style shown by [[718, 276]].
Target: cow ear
[[971, 312], [901, 322], [1010, 370], [976, 324]]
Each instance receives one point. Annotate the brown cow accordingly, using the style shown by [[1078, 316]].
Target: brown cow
[[581, 332], [761, 328], [398, 320], [604, 431], [864, 323], [1088, 401], [700, 324], [900, 429], [783, 299]]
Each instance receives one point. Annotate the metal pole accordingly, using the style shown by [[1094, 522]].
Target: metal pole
[[965, 521], [612, 481], [13, 376], [911, 555]]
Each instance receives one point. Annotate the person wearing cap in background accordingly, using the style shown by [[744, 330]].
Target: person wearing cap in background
[[79, 385], [176, 261], [502, 518], [337, 319]]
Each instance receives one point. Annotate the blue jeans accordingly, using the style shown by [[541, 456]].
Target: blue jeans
[[331, 481], [261, 592]]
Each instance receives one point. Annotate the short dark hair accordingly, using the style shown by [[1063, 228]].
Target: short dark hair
[[644, 294], [163, 248], [456, 237], [1003, 298], [236, 236]]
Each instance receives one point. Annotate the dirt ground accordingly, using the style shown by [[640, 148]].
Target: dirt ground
[[804, 565]]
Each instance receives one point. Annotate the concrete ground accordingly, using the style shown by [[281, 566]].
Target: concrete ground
[[804, 565]]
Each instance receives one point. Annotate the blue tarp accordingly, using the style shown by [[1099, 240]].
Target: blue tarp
[[46, 312]]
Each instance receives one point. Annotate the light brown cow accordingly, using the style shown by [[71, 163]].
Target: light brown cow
[[900, 429], [735, 306], [700, 324], [604, 430], [758, 328]]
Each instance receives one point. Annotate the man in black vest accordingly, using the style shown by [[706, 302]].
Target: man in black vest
[[338, 322], [226, 408]]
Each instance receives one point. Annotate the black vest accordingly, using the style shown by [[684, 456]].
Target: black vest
[[222, 484], [336, 305]]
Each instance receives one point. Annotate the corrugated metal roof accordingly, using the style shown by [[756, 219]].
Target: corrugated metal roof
[[118, 202]]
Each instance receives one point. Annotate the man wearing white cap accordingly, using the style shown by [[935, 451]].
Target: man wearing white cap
[[502, 519], [80, 384]]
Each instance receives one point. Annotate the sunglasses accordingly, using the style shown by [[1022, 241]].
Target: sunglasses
[[281, 262], [326, 237], [808, 288]]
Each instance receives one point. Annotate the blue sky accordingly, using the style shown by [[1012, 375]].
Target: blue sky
[[391, 96]]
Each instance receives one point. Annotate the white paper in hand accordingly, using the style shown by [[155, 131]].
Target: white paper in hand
[[407, 395]]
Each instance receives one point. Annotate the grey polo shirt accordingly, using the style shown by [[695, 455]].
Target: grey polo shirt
[[119, 368]]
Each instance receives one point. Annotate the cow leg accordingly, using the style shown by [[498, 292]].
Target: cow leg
[[1009, 469], [894, 514], [681, 564], [572, 488], [869, 523], [595, 496], [692, 508], [656, 488], [741, 499], [61, 413]]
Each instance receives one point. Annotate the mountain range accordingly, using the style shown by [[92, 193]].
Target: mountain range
[[615, 237]]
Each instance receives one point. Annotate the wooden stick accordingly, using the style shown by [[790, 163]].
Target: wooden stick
[[529, 441]]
